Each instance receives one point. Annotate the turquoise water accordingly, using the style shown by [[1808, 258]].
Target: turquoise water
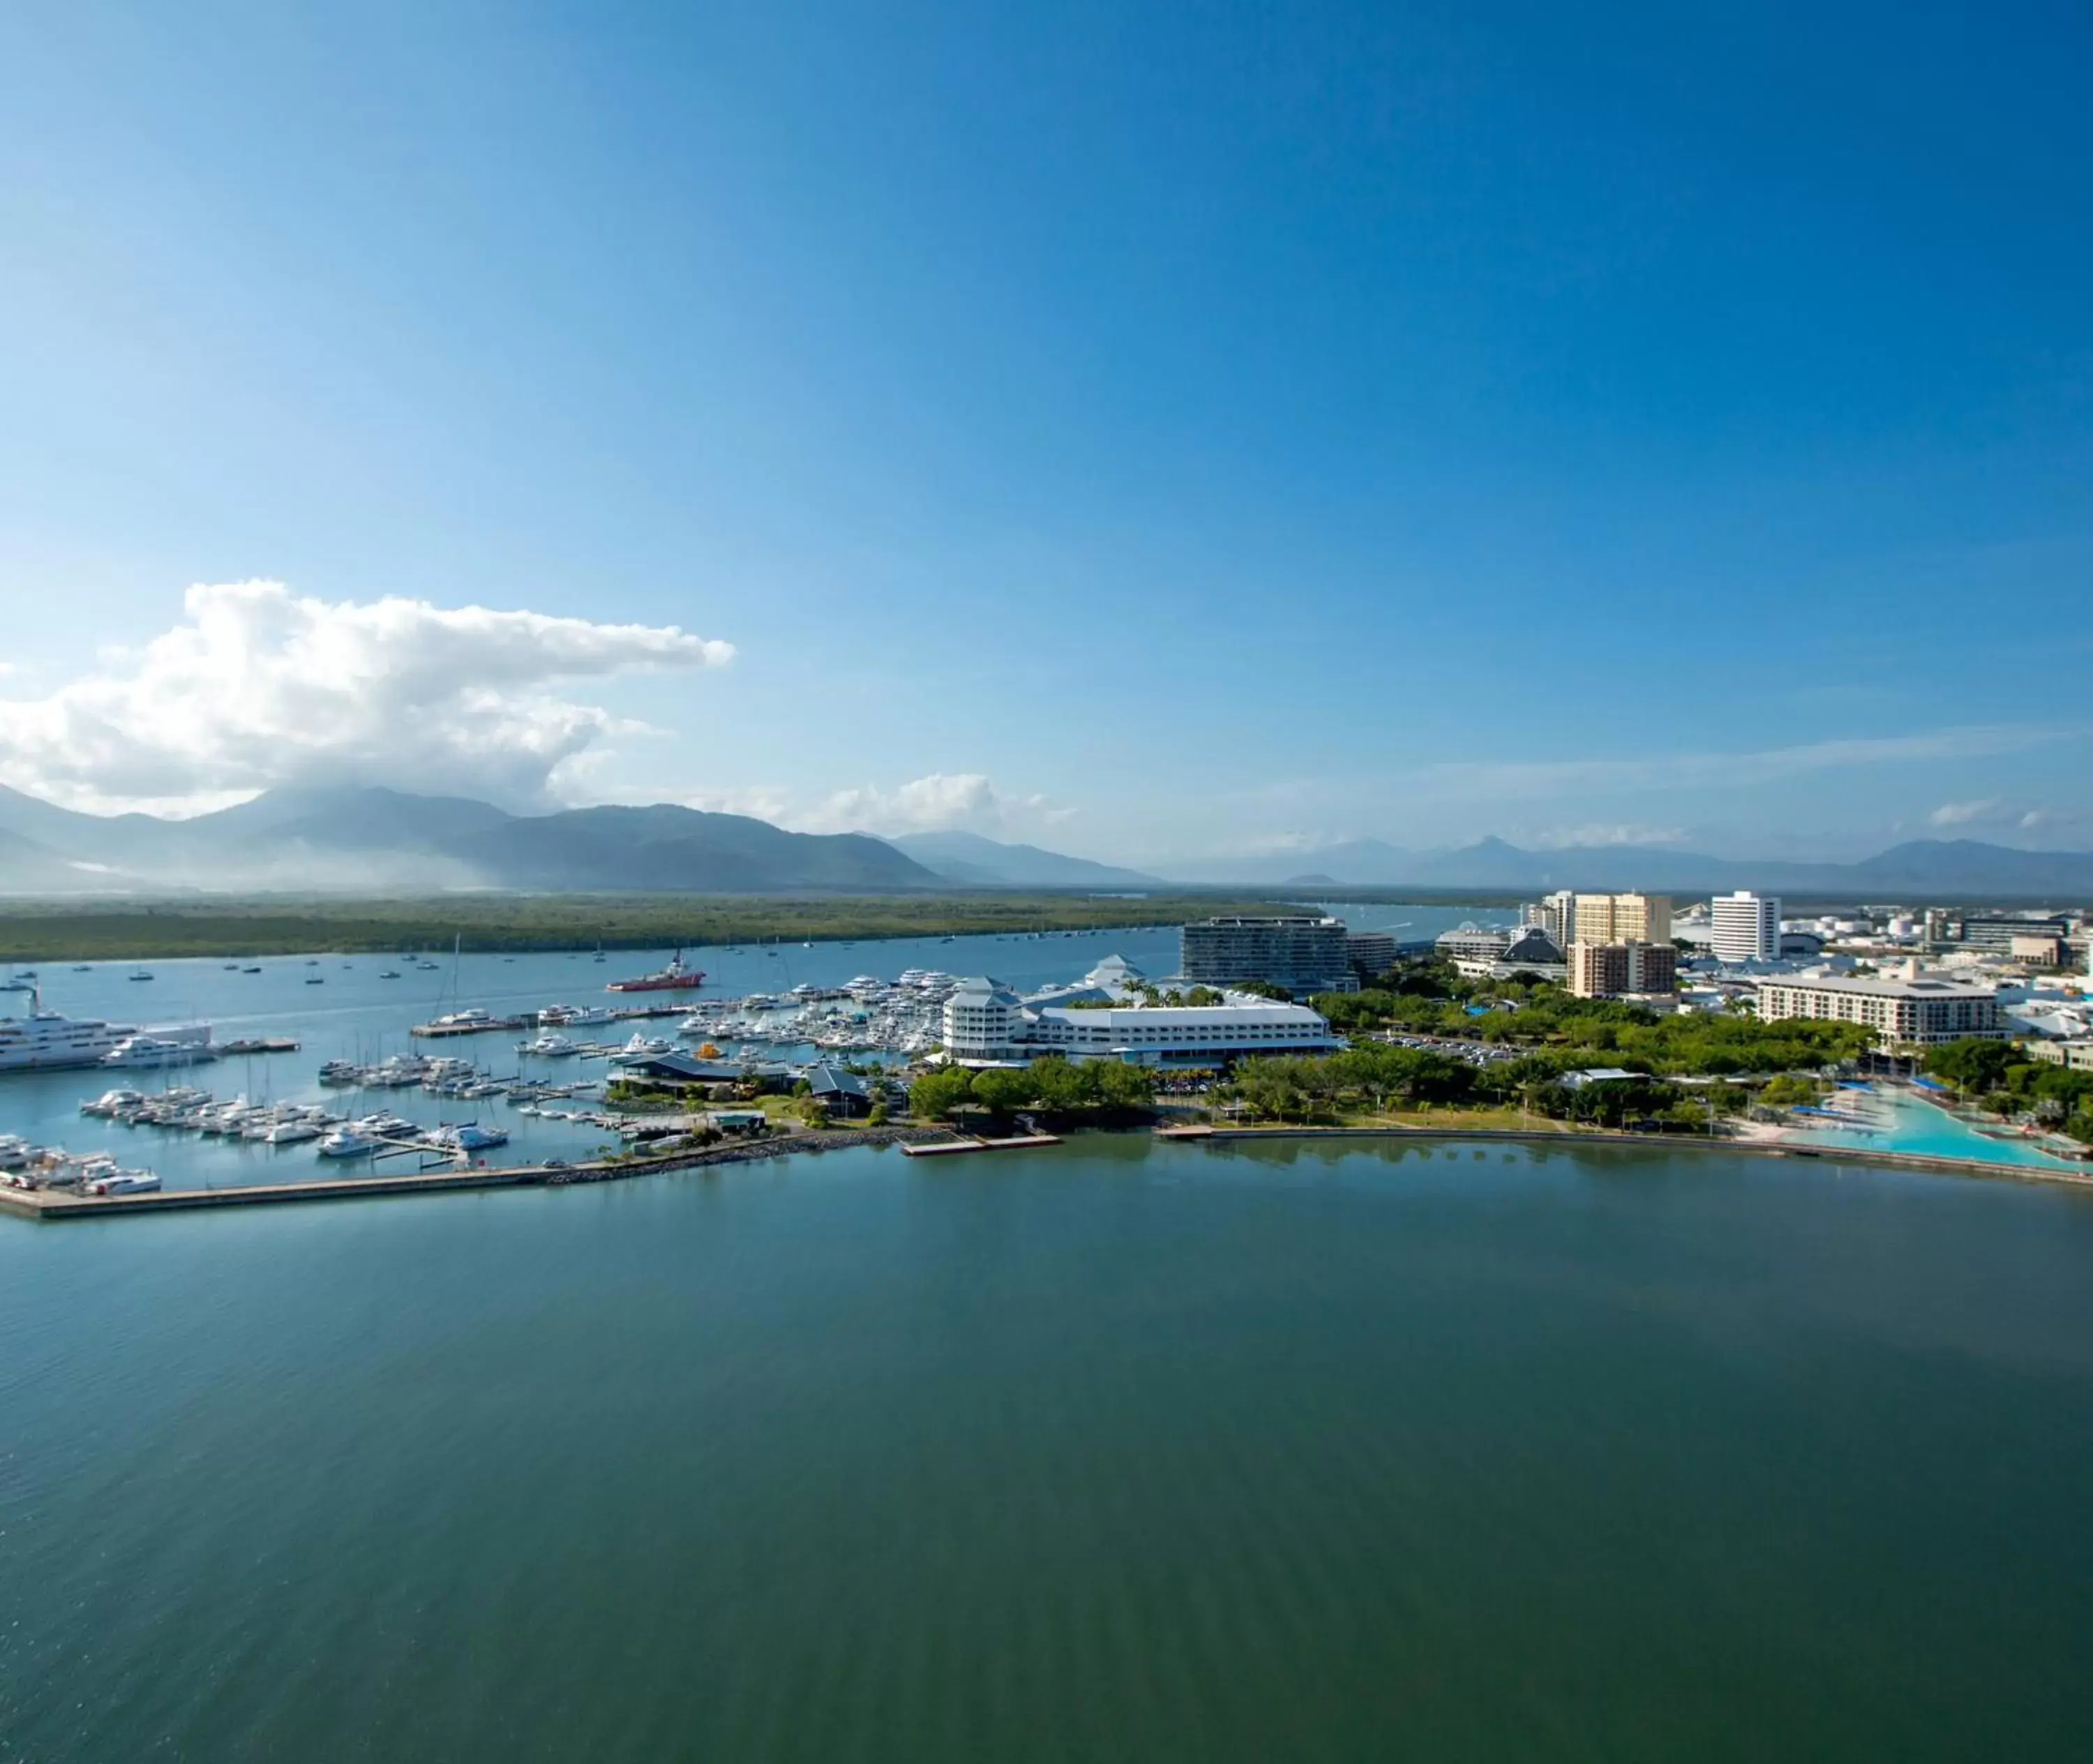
[[1121, 1451], [1915, 1126]]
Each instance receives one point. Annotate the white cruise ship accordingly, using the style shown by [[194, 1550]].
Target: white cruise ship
[[44, 1040]]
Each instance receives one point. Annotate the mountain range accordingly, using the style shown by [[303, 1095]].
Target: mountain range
[[967, 857], [1919, 868], [373, 839]]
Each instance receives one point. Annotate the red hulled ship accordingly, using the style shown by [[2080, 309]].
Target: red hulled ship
[[675, 978]]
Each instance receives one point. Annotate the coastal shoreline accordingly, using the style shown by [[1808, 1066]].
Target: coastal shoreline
[[54, 1207]]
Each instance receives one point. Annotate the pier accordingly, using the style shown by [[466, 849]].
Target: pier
[[56, 1205], [953, 1148], [622, 1013]]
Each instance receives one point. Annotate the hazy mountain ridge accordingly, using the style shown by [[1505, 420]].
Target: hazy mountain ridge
[[970, 858], [373, 837], [1919, 866]]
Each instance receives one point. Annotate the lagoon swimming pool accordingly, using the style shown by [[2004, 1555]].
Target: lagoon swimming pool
[[1910, 1123]]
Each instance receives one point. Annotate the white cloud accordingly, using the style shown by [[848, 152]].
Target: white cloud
[[1961, 814], [257, 686], [1994, 812], [938, 800], [934, 803], [1558, 838]]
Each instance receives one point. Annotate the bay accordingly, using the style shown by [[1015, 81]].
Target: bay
[[1125, 1450]]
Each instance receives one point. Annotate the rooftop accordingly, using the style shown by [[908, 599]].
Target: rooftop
[[1882, 987]]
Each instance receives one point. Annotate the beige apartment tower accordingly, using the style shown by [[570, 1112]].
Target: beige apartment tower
[[1628, 969], [1623, 919]]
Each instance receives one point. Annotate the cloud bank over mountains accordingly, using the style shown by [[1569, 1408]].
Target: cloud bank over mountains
[[257, 686]]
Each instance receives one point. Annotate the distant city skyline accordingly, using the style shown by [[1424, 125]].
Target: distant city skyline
[[1157, 437]]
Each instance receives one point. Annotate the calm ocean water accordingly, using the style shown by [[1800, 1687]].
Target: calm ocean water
[[1120, 1451]]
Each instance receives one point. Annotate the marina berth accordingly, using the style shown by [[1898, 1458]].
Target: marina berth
[[164, 1047]]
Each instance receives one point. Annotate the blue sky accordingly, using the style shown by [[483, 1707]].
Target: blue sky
[[1155, 431]]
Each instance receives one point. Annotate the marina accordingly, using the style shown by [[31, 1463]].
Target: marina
[[346, 1051]]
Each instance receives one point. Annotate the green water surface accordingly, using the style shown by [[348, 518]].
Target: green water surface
[[1121, 1451]]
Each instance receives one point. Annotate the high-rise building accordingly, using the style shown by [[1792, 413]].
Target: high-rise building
[[1371, 953], [1556, 914], [1628, 968], [1745, 926], [1622, 919], [1305, 956]]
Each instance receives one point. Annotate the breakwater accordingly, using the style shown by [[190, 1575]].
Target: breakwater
[[51, 1206]]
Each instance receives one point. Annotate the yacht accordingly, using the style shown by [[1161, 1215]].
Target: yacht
[[123, 1182], [644, 1048], [471, 1137], [346, 1142], [111, 1104], [548, 1046], [164, 1048], [141, 973], [290, 1131], [390, 974], [46, 1038], [562, 1015]]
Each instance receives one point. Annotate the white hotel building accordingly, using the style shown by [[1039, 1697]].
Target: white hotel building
[[986, 1023], [1744, 927], [1908, 1010]]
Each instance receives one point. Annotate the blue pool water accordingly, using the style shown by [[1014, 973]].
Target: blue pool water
[[1913, 1125]]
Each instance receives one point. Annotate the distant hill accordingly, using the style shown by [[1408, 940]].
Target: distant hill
[[370, 838], [967, 857], [1920, 868]]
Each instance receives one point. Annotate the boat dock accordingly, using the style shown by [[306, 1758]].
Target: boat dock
[[55, 1206], [483, 1026], [953, 1148]]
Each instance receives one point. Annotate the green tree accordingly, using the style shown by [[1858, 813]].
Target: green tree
[[1123, 1086], [1002, 1092], [937, 1094], [1974, 1066]]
